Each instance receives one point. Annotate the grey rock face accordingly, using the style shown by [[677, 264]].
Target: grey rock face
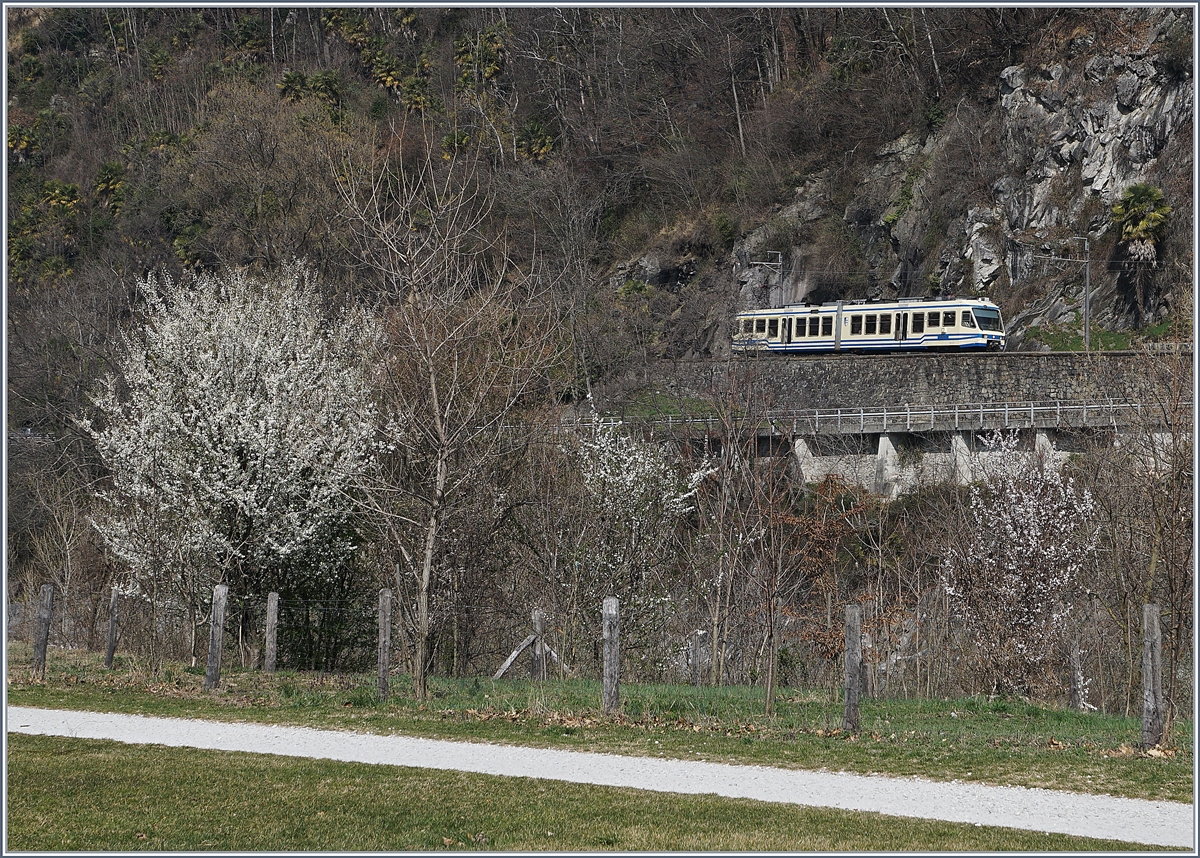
[[770, 276], [985, 203]]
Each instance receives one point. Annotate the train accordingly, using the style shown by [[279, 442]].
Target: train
[[907, 324]]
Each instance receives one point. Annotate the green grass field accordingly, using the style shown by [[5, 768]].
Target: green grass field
[[75, 794], [331, 806]]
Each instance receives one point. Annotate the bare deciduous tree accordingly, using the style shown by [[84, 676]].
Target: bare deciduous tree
[[454, 374], [466, 346], [1142, 479]]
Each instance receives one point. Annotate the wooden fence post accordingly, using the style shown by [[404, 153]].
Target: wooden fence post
[[538, 668], [1152, 699], [216, 637], [111, 650], [41, 631], [385, 641], [611, 699], [853, 666], [271, 653]]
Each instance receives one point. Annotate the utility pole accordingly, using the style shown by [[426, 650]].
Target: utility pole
[[1087, 278], [1087, 293], [1087, 289]]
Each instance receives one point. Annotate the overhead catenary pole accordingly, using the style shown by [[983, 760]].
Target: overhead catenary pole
[[1087, 294], [1087, 282], [1087, 288]]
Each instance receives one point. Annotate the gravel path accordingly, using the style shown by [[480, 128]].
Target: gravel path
[[1159, 823]]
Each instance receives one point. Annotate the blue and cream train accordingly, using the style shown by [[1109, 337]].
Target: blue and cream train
[[909, 324]]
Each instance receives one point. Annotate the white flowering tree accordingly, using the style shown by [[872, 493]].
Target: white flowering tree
[[636, 494], [234, 434], [1010, 573]]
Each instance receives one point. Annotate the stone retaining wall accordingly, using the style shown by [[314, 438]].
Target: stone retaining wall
[[864, 381]]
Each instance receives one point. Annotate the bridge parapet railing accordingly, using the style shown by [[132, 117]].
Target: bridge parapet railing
[[909, 418], [970, 417]]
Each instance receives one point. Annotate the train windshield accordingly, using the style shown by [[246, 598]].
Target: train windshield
[[989, 320]]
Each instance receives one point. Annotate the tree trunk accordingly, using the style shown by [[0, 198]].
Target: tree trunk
[[1078, 697], [421, 667], [713, 662], [421, 655], [193, 623], [728, 610]]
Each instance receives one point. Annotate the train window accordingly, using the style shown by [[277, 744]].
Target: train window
[[967, 320], [773, 328], [827, 326], [871, 323], [856, 324], [885, 323], [934, 318], [747, 326], [918, 323], [813, 329], [988, 319], [801, 327], [948, 319], [760, 326]]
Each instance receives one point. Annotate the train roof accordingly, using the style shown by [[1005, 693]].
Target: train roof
[[870, 302]]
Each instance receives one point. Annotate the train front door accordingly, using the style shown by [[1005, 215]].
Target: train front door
[[901, 327]]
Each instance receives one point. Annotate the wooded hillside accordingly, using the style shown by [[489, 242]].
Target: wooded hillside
[[518, 206], [192, 138]]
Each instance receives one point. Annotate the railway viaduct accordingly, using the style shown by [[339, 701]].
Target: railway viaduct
[[889, 422]]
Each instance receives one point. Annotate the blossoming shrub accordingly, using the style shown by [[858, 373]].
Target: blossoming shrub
[[636, 497], [1012, 572], [234, 433]]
